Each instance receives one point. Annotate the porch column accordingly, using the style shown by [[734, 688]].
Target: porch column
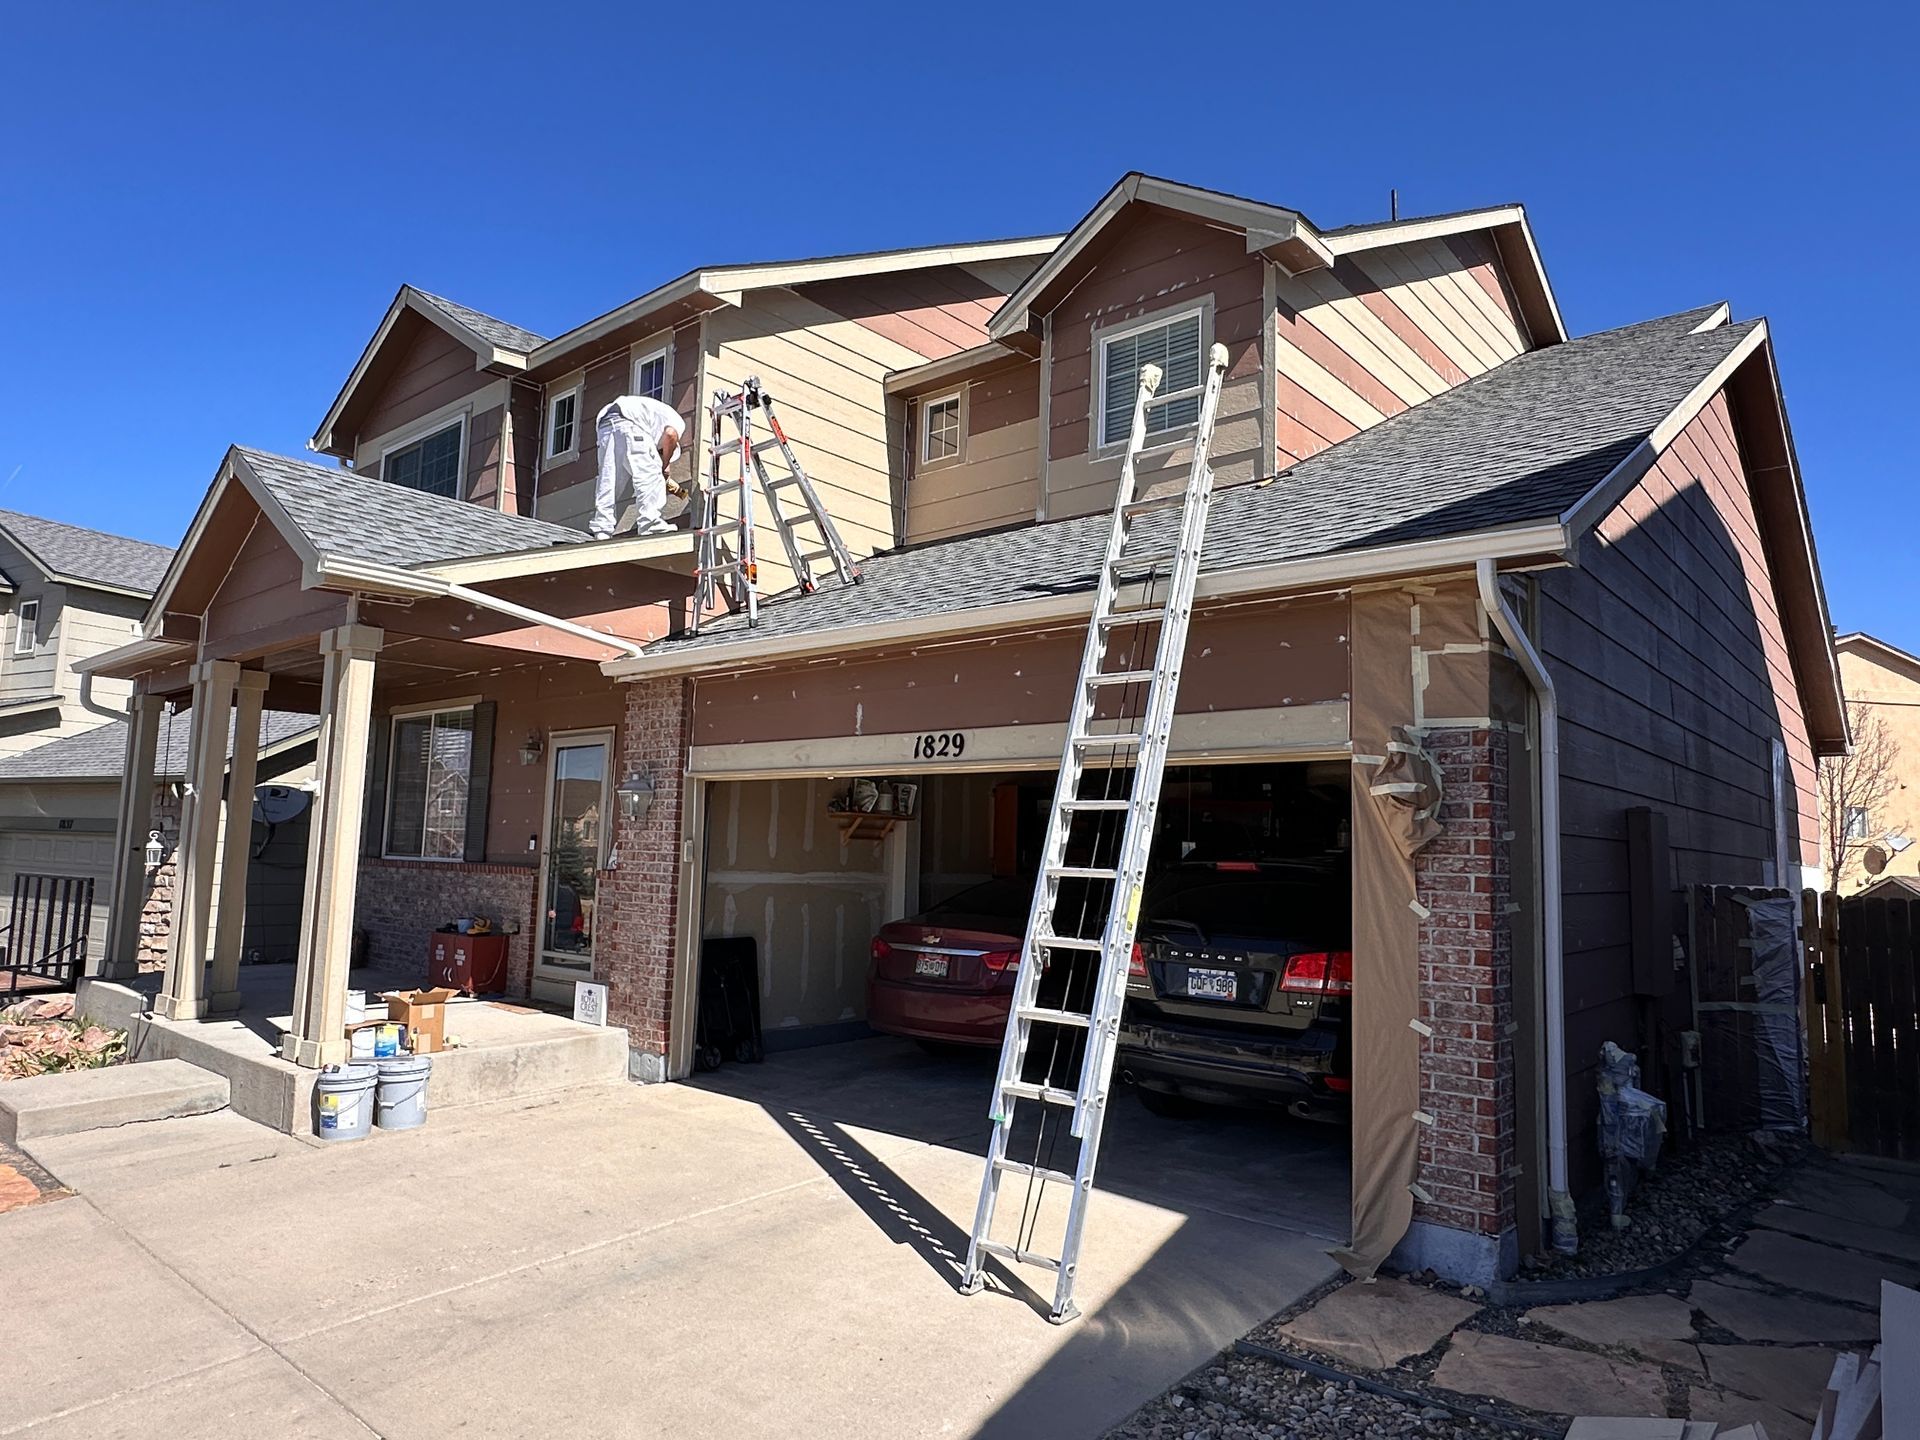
[[333, 848], [230, 917], [120, 958], [183, 995]]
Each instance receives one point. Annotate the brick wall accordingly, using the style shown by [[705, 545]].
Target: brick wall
[[1467, 1155], [639, 902], [398, 903]]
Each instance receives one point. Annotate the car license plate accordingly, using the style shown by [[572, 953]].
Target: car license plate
[[934, 965], [1211, 985]]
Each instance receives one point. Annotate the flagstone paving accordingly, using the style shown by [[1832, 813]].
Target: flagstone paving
[[1761, 1315], [1845, 1197], [1790, 1376], [1548, 1377], [1730, 1409], [1831, 1229], [1379, 1324], [1818, 1269], [1659, 1327]]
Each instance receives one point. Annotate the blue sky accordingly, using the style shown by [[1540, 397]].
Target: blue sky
[[205, 209]]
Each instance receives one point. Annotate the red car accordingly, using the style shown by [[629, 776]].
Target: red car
[[946, 975]]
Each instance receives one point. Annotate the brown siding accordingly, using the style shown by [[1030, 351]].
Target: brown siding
[[431, 370], [261, 598], [483, 458], [1667, 648]]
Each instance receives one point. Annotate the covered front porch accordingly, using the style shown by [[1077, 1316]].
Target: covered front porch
[[424, 634]]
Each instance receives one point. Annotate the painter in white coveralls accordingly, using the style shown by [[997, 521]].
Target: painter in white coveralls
[[638, 438]]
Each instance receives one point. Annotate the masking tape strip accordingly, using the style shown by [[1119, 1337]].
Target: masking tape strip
[[1369, 759], [1396, 787], [1418, 1028], [1422, 1196], [1418, 909], [1423, 1117]]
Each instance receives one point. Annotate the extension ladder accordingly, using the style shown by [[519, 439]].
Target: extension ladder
[[736, 579], [1072, 985]]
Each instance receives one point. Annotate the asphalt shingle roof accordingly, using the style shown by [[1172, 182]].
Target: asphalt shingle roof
[[99, 753], [507, 337], [1522, 442], [88, 555], [356, 517]]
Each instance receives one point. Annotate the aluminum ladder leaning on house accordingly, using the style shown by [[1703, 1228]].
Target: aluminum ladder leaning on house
[[736, 579], [1057, 992]]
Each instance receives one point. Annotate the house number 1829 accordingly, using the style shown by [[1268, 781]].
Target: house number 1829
[[948, 745]]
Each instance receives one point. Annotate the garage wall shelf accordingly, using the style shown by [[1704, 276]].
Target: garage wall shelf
[[874, 825]]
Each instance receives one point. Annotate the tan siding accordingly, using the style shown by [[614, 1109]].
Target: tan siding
[[1890, 689], [1675, 678], [997, 482], [1428, 283]]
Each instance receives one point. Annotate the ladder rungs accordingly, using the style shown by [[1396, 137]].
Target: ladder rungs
[[1081, 872], [1013, 1252], [1155, 502], [1070, 942], [1045, 1016], [1149, 614], [1049, 1094], [1118, 742], [1037, 1172], [1096, 804], [1121, 677]]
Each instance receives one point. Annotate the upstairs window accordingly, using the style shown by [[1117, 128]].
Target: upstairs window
[[563, 424], [431, 465], [1175, 346], [940, 429], [1856, 821], [427, 785], [650, 375], [26, 628]]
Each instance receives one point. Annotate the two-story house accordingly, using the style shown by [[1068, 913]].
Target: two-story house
[[1574, 573]]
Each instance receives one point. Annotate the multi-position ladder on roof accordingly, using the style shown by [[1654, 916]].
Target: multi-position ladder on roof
[[733, 576], [1065, 1018]]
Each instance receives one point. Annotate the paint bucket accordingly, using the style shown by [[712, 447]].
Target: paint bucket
[[343, 1101], [401, 1103], [386, 1040]]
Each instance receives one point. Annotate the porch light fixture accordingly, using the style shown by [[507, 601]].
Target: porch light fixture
[[533, 749], [636, 797], [156, 852]]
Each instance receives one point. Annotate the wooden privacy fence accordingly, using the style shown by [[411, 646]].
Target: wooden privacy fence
[[1863, 1023], [43, 943]]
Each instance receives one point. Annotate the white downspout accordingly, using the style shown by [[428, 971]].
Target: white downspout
[[1566, 1237], [538, 617]]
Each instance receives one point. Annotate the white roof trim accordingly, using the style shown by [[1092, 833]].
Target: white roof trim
[[1401, 232], [1861, 640], [959, 363], [728, 283], [1526, 542], [1265, 224], [672, 552]]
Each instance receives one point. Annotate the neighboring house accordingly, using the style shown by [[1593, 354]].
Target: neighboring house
[[1423, 481], [1883, 681], [58, 805], [65, 593]]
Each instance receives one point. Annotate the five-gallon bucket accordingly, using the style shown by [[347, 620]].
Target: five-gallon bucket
[[343, 1101], [402, 1100]]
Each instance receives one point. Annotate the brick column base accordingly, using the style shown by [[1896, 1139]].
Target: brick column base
[[639, 902], [1463, 1224]]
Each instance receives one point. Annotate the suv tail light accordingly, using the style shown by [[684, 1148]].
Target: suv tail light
[[1137, 963], [1001, 959], [881, 950], [1319, 972]]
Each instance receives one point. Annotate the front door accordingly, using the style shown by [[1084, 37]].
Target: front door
[[578, 831]]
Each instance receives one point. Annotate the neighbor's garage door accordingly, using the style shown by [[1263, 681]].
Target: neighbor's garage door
[[60, 852]]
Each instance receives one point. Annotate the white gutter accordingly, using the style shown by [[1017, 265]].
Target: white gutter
[[1566, 1238], [337, 573], [1456, 552]]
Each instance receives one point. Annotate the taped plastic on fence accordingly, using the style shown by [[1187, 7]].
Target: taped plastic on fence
[[1774, 925]]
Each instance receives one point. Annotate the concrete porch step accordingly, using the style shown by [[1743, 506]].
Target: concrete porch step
[[469, 1075], [99, 1099]]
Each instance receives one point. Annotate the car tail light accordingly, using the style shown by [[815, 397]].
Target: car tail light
[[1319, 972], [1238, 866], [1137, 962], [1339, 1084], [881, 949], [1001, 959]]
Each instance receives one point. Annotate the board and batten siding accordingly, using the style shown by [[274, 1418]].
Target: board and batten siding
[[1163, 264], [1383, 330], [1675, 679], [996, 481]]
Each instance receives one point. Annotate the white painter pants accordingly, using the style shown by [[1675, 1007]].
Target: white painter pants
[[627, 454]]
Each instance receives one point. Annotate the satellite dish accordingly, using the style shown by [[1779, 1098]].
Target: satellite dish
[[275, 804], [1875, 859]]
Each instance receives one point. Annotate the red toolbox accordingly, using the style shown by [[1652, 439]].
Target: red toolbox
[[475, 964]]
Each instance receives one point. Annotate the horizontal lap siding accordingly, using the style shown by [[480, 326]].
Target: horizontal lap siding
[[433, 370], [997, 483], [1161, 263], [1674, 677], [261, 591], [827, 376], [934, 312]]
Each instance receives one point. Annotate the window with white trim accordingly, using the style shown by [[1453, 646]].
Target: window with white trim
[[431, 464], [563, 423], [1174, 345], [26, 628], [650, 375], [940, 428], [1857, 820], [427, 782]]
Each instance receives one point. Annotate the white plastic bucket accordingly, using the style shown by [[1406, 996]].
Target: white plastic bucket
[[343, 1101], [401, 1103]]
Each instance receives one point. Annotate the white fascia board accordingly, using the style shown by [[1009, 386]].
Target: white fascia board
[[1523, 542], [157, 607], [139, 654], [1402, 232], [551, 559], [485, 353], [1593, 507], [936, 372], [1721, 314], [1012, 314], [683, 288]]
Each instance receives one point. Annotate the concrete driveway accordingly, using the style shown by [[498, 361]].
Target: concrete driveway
[[772, 1251]]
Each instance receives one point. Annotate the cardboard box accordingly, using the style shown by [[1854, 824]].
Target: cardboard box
[[424, 1013]]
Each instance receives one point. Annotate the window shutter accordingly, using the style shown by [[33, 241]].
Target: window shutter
[[479, 781], [373, 825]]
